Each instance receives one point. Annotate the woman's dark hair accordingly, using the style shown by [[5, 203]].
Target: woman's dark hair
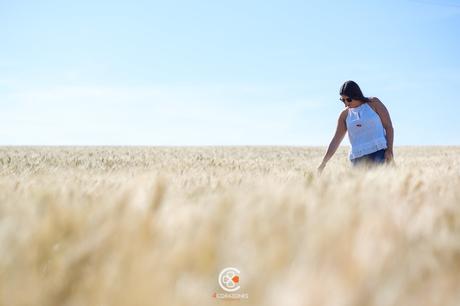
[[352, 90]]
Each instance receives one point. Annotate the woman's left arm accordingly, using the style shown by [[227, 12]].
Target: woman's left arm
[[386, 122]]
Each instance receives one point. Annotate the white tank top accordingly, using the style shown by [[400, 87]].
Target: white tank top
[[365, 131]]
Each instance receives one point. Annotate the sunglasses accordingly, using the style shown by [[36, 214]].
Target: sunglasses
[[347, 99]]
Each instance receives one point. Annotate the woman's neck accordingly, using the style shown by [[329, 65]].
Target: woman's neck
[[355, 105]]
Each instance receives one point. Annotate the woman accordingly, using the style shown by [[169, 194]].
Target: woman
[[369, 127]]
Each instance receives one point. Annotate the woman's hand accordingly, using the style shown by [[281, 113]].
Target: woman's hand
[[321, 167], [388, 156]]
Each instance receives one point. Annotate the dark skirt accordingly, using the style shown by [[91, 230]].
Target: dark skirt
[[375, 158]]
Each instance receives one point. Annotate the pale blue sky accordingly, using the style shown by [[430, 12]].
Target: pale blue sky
[[223, 72]]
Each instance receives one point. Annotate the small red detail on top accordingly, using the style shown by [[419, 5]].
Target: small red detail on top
[[235, 278]]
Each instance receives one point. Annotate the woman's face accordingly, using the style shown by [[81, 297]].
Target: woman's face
[[350, 102]]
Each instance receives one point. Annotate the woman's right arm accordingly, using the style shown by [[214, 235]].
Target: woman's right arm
[[336, 140]]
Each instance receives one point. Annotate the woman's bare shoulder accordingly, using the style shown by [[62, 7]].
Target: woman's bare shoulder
[[343, 115], [379, 108], [374, 99], [375, 103]]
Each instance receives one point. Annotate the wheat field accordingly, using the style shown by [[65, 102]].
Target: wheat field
[[134, 226]]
